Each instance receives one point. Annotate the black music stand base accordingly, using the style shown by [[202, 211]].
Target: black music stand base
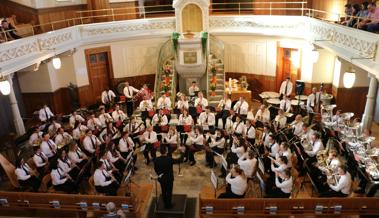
[[178, 210]]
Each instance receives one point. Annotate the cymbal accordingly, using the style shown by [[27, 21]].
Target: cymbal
[[271, 94], [301, 97], [328, 107], [347, 115]]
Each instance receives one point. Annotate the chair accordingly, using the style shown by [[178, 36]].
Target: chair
[[9, 169], [45, 183]]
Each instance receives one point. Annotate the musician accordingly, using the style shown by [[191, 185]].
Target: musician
[[283, 183], [48, 147], [35, 138], [170, 140], [104, 118], [104, 182], [337, 117], [115, 157], [109, 166], [40, 161], [223, 107], [286, 88], [316, 145], [160, 119], [238, 148], [129, 92], [109, 133], [185, 119], [78, 130], [164, 102], [343, 186], [282, 162], [146, 92], [145, 107], [307, 133], [263, 114], [75, 117], [273, 147], [250, 114], [150, 139], [26, 176], [107, 96], [250, 131], [65, 164], [280, 119], [76, 155], [53, 127], [118, 114], [207, 118], [333, 162], [126, 145], [45, 114], [61, 180], [285, 151], [193, 89], [216, 144], [241, 107], [285, 104], [62, 137], [182, 103], [197, 144], [201, 102], [313, 103], [163, 167], [229, 122], [239, 127], [264, 140], [135, 128], [90, 143], [248, 162], [297, 125], [94, 123], [237, 184]]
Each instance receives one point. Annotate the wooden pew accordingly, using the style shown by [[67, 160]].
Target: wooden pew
[[285, 207]]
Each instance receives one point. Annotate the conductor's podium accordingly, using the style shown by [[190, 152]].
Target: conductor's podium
[[178, 209], [265, 207]]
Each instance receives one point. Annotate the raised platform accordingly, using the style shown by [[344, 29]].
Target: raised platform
[[178, 210]]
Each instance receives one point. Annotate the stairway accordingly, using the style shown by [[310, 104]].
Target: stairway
[[216, 60]]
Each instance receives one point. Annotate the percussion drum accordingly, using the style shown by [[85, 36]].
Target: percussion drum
[[274, 101], [301, 97]]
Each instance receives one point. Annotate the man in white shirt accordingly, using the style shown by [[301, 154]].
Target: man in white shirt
[[94, 123], [224, 106], [48, 147], [283, 183], [313, 103], [90, 143], [104, 181], [61, 180], [118, 114], [343, 186], [297, 126], [145, 106], [107, 97], [151, 141], [159, 119], [273, 148], [201, 101], [250, 131], [62, 138], [286, 88], [216, 144], [129, 92], [75, 117], [35, 139], [239, 127], [45, 114], [263, 114], [41, 161], [280, 120], [104, 118], [241, 108], [164, 102], [26, 176], [193, 89], [316, 145], [207, 120], [285, 104]]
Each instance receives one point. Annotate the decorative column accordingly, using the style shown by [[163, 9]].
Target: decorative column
[[17, 120], [370, 103]]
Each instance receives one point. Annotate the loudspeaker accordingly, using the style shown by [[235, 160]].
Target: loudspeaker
[[299, 87]]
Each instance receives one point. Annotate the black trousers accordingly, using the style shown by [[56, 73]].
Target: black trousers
[[332, 193], [192, 150], [67, 187], [110, 189], [209, 155], [32, 182], [149, 149], [129, 108], [229, 194], [277, 193], [166, 187], [223, 115]]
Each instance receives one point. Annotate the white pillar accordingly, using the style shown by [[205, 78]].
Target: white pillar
[[17, 120], [370, 103]]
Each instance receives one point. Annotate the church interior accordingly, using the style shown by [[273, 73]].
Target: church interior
[[189, 108]]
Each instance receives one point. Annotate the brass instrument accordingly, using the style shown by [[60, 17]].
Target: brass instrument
[[322, 157], [305, 143]]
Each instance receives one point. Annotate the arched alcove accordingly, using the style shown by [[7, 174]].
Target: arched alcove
[[192, 18]]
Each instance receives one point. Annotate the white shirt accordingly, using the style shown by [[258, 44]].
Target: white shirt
[[113, 132], [241, 107], [285, 105], [265, 138], [171, 139], [100, 179], [45, 148], [343, 185], [274, 149], [278, 169], [125, 145], [58, 177], [34, 137], [107, 96], [203, 102], [164, 102], [197, 139], [185, 120], [77, 132], [163, 120], [238, 184], [65, 165], [23, 173], [119, 115], [150, 137], [192, 90], [182, 104], [225, 104], [250, 132], [286, 88], [207, 119], [76, 156], [75, 118], [90, 143], [45, 114], [54, 127], [281, 120], [239, 151], [263, 116], [61, 137], [247, 165], [129, 91], [112, 158], [298, 128], [316, 147], [134, 127], [285, 185], [93, 123], [146, 105], [104, 118], [40, 160], [313, 100], [287, 154], [220, 143], [239, 127]]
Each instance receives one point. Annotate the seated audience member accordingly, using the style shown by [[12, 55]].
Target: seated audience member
[[26, 176], [112, 213], [61, 180], [104, 182], [371, 24], [363, 13], [283, 185], [9, 29], [48, 147], [343, 186], [45, 114], [237, 184], [350, 21]]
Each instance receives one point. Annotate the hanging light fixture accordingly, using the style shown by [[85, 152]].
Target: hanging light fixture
[[57, 63], [5, 86], [349, 78]]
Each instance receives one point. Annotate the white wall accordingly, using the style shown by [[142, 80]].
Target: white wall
[[37, 4], [63, 76], [361, 76], [35, 81], [324, 67]]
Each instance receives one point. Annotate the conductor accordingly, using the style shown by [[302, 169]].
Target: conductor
[[163, 167]]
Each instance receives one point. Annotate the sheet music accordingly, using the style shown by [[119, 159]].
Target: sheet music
[[142, 148], [214, 180]]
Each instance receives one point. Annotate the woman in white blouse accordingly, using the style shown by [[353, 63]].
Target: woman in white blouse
[[237, 184], [65, 164], [171, 140], [248, 163], [197, 144]]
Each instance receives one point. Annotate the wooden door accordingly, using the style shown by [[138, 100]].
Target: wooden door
[[99, 70], [287, 65]]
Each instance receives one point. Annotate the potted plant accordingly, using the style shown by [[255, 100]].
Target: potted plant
[[213, 89]]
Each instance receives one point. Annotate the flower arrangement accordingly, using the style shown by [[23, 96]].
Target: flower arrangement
[[213, 82]]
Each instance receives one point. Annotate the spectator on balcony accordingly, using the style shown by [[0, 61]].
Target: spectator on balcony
[[363, 13], [350, 21], [371, 24], [9, 29], [348, 10]]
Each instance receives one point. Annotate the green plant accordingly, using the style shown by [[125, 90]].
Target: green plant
[[175, 37], [204, 38]]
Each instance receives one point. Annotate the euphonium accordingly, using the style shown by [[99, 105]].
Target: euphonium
[[322, 157]]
